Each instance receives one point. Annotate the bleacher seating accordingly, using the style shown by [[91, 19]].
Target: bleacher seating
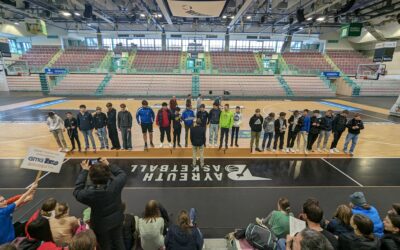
[[37, 57], [156, 61], [348, 60], [234, 62], [78, 84], [80, 59], [149, 85], [383, 87], [24, 83], [241, 85], [308, 86], [305, 61]]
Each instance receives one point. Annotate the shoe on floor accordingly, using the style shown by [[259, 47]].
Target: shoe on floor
[[258, 150], [151, 145], [332, 151], [336, 150], [170, 145], [161, 145]]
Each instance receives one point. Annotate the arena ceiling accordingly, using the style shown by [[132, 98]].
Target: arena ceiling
[[234, 16]]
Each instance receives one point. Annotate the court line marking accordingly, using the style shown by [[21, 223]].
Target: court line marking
[[343, 173]]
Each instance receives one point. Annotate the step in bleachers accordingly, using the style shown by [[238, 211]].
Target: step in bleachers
[[306, 61], [387, 87], [37, 57], [149, 85], [156, 61], [241, 85], [80, 59], [24, 83], [348, 60], [234, 62], [308, 86], [78, 84]]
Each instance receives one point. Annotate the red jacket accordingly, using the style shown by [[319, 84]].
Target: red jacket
[[50, 246]]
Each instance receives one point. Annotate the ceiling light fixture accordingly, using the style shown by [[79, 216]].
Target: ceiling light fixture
[[301, 28], [16, 23], [65, 13], [248, 17], [77, 13], [320, 19], [142, 15], [159, 15], [224, 17], [309, 19], [232, 17]]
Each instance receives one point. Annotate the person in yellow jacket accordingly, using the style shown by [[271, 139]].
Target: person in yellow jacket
[[226, 123]]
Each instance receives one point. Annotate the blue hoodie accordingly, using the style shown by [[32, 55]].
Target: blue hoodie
[[145, 115], [177, 239], [188, 117], [306, 124], [373, 214]]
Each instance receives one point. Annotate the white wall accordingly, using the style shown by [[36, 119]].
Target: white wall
[[343, 43]]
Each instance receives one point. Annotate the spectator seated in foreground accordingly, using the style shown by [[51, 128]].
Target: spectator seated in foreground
[[391, 237], [308, 239], [341, 221], [151, 227], [85, 240], [63, 226]]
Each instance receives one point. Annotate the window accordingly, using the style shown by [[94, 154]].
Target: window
[[256, 45], [216, 45], [107, 42], [91, 41], [19, 47]]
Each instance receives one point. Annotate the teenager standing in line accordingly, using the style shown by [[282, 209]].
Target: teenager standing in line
[[112, 126], [304, 130], [72, 128], [255, 123], [125, 126], [100, 123], [237, 121], [315, 128], [164, 123], [177, 125], [86, 124], [269, 128], [295, 123], [338, 127], [188, 118], [214, 115], [326, 130], [280, 130], [56, 127], [145, 118], [226, 123], [354, 126]]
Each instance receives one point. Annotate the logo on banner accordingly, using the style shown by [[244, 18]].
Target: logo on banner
[[183, 173], [43, 160]]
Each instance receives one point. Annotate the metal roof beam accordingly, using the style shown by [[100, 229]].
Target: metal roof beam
[[164, 11], [240, 13]]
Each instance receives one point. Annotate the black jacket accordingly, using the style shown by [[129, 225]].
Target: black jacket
[[100, 120], [256, 123], [353, 122], [176, 121], [315, 129], [198, 136], [68, 124], [203, 117], [160, 117], [177, 239], [350, 241], [85, 121], [104, 201], [129, 227], [390, 242], [124, 119], [214, 116], [339, 123], [278, 126], [326, 123], [112, 117], [298, 125]]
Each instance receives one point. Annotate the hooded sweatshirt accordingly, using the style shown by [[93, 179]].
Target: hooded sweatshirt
[[188, 117], [237, 119], [226, 119], [214, 116], [177, 239], [295, 123], [373, 214], [306, 124], [269, 125], [256, 123], [55, 123], [353, 122], [315, 129], [326, 123]]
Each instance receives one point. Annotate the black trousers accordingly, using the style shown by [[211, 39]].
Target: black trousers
[[311, 140], [113, 135], [187, 131], [164, 131], [73, 136], [291, 138], [336, 138], [281, 137], [111, 239], [177, 136], [224, 134], [234, 135]]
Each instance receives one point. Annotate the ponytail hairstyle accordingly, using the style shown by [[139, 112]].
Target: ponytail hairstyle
[[61, 210], [184, 221], [364, 225], [284, 204], [343, 213]]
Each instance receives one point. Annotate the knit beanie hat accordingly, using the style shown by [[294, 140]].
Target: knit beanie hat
[[358, 199]]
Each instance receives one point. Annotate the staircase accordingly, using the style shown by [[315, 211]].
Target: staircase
[[207, 61], [195, 85], [103, 84], [106, 63], [54, 58], [354, 86], [182, 65], [131, 58], [328, 83], [282, 65], [44, 85], [333, 65], [284, 85], [259, 62]]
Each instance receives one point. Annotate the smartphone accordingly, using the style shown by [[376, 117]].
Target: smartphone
[[94, 161]]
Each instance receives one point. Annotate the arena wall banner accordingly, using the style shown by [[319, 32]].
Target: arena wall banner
[[43, 160]]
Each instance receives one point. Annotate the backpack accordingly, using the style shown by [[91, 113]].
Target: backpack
[[260, 237]]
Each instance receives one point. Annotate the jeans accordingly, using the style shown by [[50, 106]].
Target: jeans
[[102, 134], [88, 134], [311, 140], [214, 133], [59, 136], [323, 134], [113, 135], [187, 131], [304, 135], [200, 150], [291, 138], [73, 136], [164, 131], [267, 135], [255, 139], [224, 134], [354, 139], [126, 137], [281, 244], [336, 138], [111, 239], [281, 137], [177, 136], [234, 135]]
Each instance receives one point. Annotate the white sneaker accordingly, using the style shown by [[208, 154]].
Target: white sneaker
[[65, 150], [332, 151], [325, 150], [161, 145], [345, 151], [306, 151], [292, 150], [336, 150], [273, 150], [287, 150], [170, 145], [318, 149]]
